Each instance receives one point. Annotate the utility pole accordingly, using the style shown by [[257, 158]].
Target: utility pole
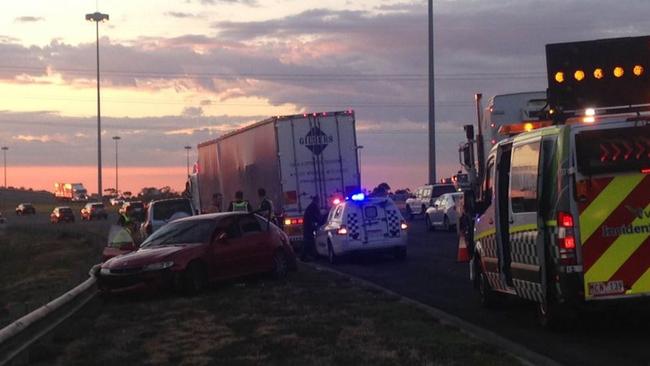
[[188, 148], [4, 153], [432, 114]]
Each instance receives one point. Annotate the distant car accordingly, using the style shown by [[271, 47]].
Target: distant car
[[443, 214], [61, 214], [114, 201], [360, 225], [94, 210], [25, 209], [188, 253], [133, 209], [160, 212], [423, 198]]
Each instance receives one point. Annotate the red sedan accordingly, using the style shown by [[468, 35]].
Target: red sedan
[[188, 253]]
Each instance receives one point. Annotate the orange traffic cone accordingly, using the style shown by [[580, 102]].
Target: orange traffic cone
[[463, 253]]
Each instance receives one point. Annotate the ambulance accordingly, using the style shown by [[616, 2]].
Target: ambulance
[[561, 214]]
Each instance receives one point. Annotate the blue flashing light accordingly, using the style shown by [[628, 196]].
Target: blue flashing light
[[358, 197]]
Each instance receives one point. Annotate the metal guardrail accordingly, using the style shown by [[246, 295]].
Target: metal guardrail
[[17, 337]]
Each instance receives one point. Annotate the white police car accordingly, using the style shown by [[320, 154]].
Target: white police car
[[362, 224]]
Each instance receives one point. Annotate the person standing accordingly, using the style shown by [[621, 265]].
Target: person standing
[[217, 203], [266, 205], [239, 204], [310, 221]]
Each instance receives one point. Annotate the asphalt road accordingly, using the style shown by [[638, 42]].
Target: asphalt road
[[610, 336]]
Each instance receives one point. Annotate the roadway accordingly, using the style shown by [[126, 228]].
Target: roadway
[[431, 275]]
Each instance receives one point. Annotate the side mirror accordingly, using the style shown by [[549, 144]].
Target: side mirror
[[467, 155]]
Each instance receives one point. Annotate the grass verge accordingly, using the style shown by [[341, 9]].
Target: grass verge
[[40, 262], [314, 318]]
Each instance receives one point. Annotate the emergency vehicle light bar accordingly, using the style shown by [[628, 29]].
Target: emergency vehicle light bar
[[602, 73], [516, 128]]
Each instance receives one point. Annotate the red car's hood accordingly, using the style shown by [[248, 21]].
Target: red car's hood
[[144, 256]]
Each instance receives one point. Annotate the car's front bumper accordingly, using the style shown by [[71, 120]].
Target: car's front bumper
[[136, 281]]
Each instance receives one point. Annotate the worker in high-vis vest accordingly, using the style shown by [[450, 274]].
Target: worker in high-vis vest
[[239, 204]]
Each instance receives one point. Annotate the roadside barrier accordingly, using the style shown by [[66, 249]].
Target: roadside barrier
[[17, 337]]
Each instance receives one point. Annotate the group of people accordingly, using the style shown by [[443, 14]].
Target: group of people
[[312, 217]]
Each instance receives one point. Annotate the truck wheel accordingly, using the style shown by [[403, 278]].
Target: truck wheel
[[487, 295], [194, 279], [331, 256], [280, 265], [427, 222]]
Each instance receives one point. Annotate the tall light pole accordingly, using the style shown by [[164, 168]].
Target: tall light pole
[[188, 148], [98, 17], [116, 139], [432, 114], [4, 153]]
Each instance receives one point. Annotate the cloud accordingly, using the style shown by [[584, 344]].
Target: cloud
[[182, 15], [28, 19], [192, 111], [215, 2]]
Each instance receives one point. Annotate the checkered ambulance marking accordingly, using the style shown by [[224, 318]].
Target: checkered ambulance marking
[[523, 248]]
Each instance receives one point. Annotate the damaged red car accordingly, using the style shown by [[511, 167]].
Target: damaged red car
[[189, 253]]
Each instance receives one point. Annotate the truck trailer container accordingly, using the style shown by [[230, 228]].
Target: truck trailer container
[[294, 158]]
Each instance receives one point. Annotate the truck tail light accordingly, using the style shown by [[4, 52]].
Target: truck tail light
[[566, 240], [292, 221], [342, 230]]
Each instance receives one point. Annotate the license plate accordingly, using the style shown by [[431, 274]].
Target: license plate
[[606, 288]]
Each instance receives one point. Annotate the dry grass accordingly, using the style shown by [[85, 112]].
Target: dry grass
[[312, 319], [40, 262]]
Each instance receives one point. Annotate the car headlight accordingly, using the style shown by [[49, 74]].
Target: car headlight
[[158, 266]]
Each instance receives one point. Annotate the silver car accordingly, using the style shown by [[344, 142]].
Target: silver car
[[443, 214]]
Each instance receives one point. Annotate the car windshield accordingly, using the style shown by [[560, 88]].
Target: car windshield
[[65, 210], [164, 210], [182, 232], [98, 205]]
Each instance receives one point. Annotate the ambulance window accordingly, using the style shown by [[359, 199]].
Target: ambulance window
[[523, 177], [489, 176]]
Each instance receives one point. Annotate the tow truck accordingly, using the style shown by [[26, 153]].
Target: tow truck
[[558, 206]]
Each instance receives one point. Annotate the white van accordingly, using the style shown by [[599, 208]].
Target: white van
[[362, 224]]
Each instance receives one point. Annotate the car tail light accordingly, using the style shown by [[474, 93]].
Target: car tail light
[[403, 225], [566, 240], [342, 230]]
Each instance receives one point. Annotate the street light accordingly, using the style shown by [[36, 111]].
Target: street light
[[4, 152], [188, 148], [98, 17], [116, 139]]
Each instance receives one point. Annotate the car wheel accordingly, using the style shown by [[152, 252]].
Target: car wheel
[[445, 223], [194, 279], [331, 256], [400, 253], [427, 221], [409, 213], [280, 265]]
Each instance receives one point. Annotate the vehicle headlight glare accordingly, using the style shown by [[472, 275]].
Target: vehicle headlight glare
[[158, 266]]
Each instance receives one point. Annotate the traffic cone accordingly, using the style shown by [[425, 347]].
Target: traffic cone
[[463, 253]]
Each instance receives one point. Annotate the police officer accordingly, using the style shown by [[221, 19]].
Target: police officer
[[266, 205], [239, 204], [310, 222]]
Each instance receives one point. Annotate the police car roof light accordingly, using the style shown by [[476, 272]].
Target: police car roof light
[[358, 197]]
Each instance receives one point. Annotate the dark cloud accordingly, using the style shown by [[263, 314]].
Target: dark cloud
[[28, 19]]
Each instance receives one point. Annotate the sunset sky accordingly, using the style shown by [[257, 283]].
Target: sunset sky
[[177, 73]]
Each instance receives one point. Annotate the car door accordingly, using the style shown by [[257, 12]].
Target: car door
[[436, 217], [228, 250], [254, 244]]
